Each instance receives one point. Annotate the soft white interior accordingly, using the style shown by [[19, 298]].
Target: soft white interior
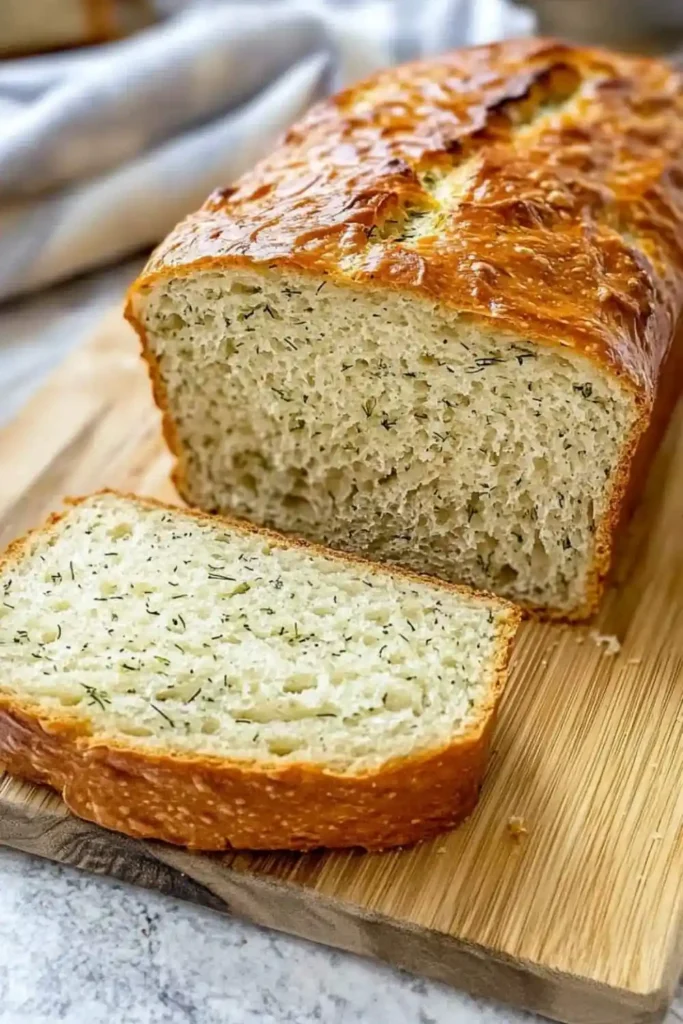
[[165, 630], [382, 424]]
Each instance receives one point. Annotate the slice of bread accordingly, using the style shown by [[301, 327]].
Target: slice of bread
[[198, 680]]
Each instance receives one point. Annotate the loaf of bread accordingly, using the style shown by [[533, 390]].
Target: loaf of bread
[[437, 325], [30, 26], [192, 679]]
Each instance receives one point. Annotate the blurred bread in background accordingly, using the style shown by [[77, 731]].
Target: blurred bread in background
[[35, 26], [642, 26]]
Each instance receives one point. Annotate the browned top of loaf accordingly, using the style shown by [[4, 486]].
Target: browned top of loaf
[[563, 218], [102, 20]]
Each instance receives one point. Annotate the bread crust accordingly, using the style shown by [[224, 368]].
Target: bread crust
[[533, 243], [100, 26], [568, 233], [213, 803], [102, 20]]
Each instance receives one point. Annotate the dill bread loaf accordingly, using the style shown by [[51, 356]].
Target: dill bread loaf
[[437, 325], [29, 26], [187, 678]]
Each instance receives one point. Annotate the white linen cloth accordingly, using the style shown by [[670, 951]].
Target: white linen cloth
[[103, 150]]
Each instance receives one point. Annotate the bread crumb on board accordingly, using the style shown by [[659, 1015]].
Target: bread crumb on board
[[517, 826], [608, 641]]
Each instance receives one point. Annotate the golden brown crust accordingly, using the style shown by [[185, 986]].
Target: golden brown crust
[[212, 803], [101, 20], [100, 26], [567, 230]]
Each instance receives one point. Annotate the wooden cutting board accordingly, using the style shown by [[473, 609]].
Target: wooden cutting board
[[563, 893]]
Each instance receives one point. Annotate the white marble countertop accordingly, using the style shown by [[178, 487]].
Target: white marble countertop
[[75, 949], [83, 950]]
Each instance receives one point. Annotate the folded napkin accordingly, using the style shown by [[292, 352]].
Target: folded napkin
[[103, 150]]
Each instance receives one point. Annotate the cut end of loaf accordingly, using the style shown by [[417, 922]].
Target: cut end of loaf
[[164, 631], [377, 422]]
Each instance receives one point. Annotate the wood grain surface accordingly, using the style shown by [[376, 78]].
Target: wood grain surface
[[563, 893]]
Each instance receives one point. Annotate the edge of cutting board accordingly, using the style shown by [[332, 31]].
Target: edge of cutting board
[[34, 820]]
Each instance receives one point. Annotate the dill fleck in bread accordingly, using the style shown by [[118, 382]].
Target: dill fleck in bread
[[433, 326], [200, 681]]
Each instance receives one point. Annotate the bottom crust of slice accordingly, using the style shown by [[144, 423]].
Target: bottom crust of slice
[[209, 803]]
